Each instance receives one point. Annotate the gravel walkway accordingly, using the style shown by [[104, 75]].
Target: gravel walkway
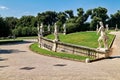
[[17, 62]]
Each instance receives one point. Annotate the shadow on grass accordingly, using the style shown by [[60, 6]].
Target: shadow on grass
[[10, 51]]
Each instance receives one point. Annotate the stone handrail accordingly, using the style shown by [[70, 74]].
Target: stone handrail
[[72, 49]]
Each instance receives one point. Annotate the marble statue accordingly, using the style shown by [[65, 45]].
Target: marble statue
[[56, 33], [41, 29], [103, 36], [107, 28], [38, 28], [64, 29], [56, 37], [97, 28], [116, 28], [48, 28]]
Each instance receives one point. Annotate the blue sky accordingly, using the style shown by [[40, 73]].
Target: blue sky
[[18, 8]]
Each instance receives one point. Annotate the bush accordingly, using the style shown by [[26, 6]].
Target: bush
[[25, 31], [86, 27], [72, 27]]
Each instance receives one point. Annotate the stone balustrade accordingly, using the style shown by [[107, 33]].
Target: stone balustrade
[[72, 49]]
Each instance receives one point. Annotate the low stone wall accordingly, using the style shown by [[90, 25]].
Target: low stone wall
[[71, 49]]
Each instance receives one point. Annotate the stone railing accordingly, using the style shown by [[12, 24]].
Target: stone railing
[[72, 49]]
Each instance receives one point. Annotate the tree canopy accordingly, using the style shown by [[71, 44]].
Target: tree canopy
[[27, 25]]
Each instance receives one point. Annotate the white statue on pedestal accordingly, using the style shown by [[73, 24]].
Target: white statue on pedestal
[[116, 28], [38, 28], [48, 28], [56, 33], [56, 38], [97, 28], [107, 28], [41, 29], [103, 36], [64, 28]]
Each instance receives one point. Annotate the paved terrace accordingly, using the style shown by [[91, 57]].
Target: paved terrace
[[17, 62]]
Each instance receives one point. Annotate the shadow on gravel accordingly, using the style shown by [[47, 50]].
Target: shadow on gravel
[[10, 51], [16, 43], [113, 57], [27, 68], [1, 59], [61, 65], [3, 66]]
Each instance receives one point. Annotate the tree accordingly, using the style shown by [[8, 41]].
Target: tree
[[69, 13], [4, 29], [47, 18], [98, 14], [11, 22], [82, 18], [26, 21], [61, 19], [114, 19]]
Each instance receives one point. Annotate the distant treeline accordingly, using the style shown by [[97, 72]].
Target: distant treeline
[[27, 25]]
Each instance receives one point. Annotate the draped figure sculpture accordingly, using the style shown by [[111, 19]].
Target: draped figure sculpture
[[64, 29], [40, 33], [41, 30], [56, 33], [103, 37]]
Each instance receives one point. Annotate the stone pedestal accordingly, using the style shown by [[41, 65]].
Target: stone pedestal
[[39, 41], [102, 49], [87, 60], [105, 51], [64, 33], [64, 28], [54, 45]]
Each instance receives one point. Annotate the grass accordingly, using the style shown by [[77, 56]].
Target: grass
[[34, 47], [88, 39]]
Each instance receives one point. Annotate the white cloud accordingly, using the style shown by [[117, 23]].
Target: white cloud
[[3, 8]]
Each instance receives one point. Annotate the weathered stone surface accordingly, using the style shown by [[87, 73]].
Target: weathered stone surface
[[22, 64]]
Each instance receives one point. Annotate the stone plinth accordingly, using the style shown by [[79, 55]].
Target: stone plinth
[[104, 50]]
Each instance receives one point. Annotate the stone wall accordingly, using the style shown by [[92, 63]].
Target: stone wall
[[71, 49]]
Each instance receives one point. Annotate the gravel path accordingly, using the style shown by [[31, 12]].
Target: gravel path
[[17, 62]]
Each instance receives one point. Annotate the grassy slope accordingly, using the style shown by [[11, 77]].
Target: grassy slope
[[81, 38], [34, 47]]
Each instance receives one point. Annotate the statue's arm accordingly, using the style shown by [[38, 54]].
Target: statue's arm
[[98, 30]]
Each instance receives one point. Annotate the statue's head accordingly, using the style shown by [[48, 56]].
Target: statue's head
[[101, 23], [41, 24]]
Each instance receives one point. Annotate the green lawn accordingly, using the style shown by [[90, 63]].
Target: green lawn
[[88, 39], [34, 47]]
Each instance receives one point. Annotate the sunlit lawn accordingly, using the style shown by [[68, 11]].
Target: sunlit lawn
[[88, 39], [34, 47]]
